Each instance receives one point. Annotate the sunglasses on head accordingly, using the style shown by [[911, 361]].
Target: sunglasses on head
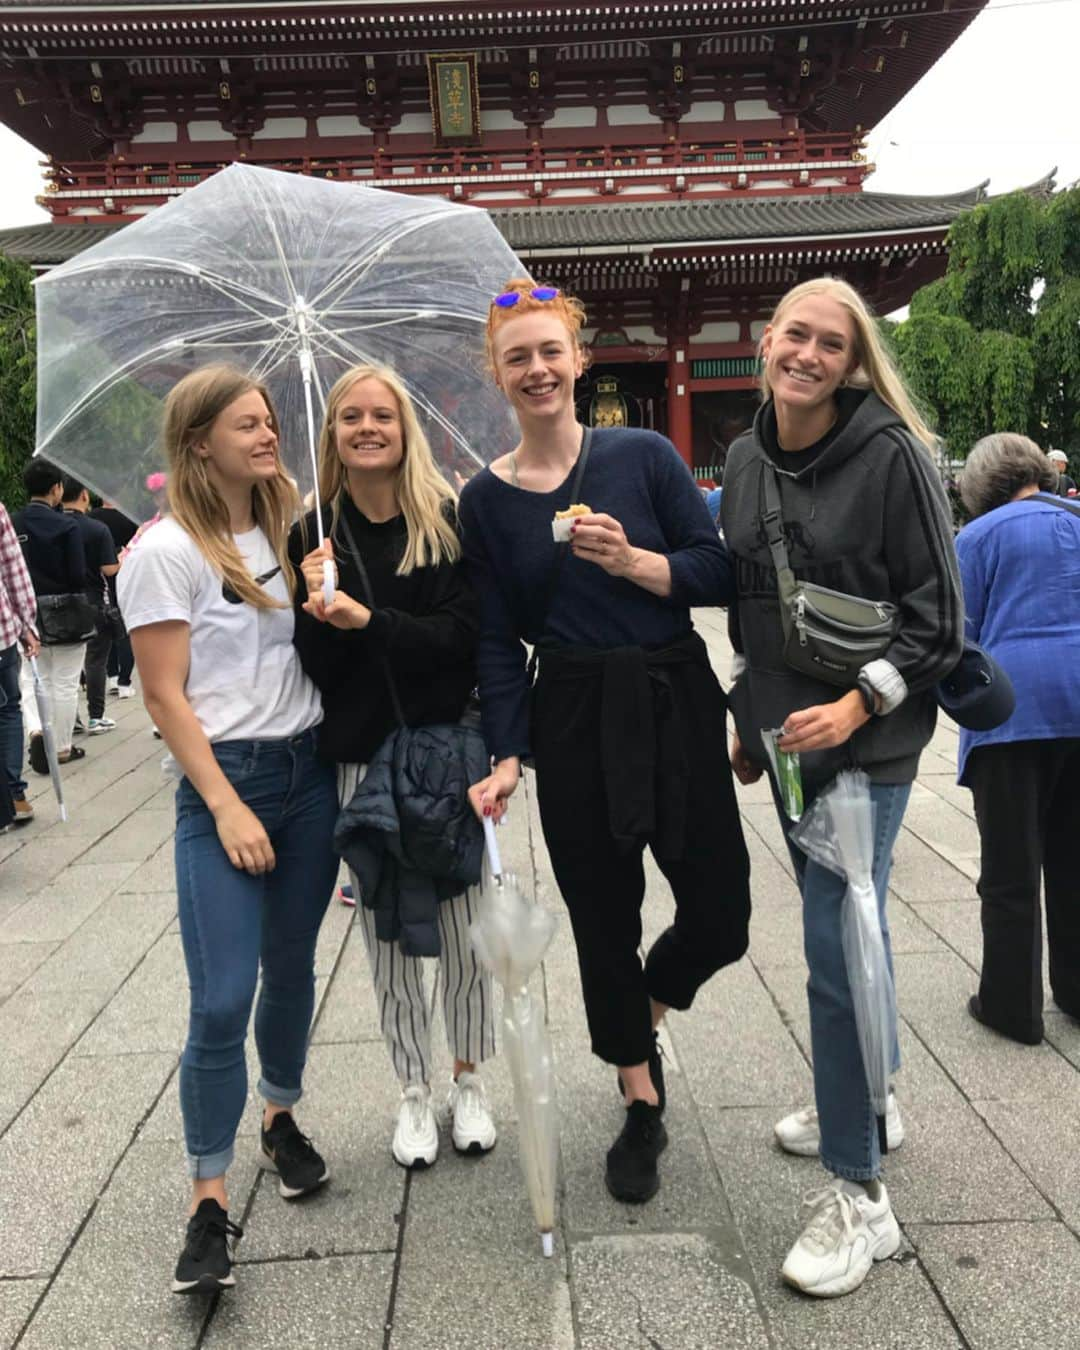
[[229, 595], [510, 298]]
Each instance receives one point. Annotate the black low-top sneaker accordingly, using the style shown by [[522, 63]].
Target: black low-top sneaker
[[631, 1174], [656, 1071], [205, 1264], [291, 1154]]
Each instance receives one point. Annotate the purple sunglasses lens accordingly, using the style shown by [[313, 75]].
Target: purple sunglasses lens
[[510, 298], [507, 299], [544, 293]]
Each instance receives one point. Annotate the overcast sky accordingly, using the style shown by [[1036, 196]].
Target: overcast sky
[[1001, 104]]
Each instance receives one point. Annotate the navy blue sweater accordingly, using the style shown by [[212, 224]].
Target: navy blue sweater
[[635, 476]]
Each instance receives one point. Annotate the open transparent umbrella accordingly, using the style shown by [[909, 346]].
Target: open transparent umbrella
[[510, 938], [838, 832], [293, 279], [48, 736]]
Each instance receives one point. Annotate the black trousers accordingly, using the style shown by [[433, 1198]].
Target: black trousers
[[602, 877], [121, 660], [94, 666], [1027, 803]]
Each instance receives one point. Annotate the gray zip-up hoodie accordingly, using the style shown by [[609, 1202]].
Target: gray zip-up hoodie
[[869, 517]]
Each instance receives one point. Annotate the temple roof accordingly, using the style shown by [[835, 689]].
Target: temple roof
[[552, 230]]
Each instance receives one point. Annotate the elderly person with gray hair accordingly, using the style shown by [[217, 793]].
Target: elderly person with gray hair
[[1059, 462], [1020, 566]]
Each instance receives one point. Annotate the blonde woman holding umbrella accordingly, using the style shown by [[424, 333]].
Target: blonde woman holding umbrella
[[402, 623], [207, 599]]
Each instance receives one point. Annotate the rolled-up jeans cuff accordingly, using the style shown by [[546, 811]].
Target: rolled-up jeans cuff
[[279, 1096], [860, 1174], [210, 1165]]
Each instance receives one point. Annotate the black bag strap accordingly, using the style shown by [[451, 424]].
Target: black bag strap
[[562, 550], [369, 600], [774, 533], [1065, 503]]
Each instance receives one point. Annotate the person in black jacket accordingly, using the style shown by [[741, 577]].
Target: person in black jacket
[[401, 610]]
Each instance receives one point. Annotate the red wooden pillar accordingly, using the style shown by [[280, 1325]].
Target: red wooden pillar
[[680, 421]]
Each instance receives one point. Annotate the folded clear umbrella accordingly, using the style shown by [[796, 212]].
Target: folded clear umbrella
[[510, 938], [294, 280], [838, 832], [44, 707]]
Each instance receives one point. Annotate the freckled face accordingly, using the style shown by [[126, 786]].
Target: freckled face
[[536, 364]]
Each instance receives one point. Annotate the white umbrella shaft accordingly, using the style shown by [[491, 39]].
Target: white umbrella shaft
[[306, 370]]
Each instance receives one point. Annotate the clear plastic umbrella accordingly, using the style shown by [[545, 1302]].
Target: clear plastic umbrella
[[44, 707], [510, 938], [838, 832], [293, 279]]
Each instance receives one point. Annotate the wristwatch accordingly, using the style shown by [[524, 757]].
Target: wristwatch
[[869, 695]]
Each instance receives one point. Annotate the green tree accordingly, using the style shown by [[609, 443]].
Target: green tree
[[994, 345], [17, 377]]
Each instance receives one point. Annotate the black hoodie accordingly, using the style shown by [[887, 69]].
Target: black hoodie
[[868, 516]]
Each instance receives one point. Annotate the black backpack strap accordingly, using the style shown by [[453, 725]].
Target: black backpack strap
[[369, 600], [561, 550], [1065, 503]]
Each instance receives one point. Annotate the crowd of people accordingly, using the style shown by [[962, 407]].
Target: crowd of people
[[556, 593]]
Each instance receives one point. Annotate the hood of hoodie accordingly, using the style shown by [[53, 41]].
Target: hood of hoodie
[[864, 417]]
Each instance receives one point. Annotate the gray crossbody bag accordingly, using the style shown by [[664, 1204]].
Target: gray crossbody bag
[[827, 634]]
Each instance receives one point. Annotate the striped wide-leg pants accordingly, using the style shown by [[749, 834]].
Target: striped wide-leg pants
[[404, 1008]]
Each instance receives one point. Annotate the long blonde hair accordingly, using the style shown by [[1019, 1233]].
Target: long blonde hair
[[874, 367], [191, 409], [421, 490]]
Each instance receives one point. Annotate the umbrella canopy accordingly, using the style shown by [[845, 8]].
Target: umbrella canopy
[[284, 276], [838, 832], [48, 736], [510, 938]]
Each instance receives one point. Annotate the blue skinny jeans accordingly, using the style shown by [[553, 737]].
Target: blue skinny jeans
[[849, 1141], [231, 923]]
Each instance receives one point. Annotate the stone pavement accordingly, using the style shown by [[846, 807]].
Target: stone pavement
[[92, 1010]]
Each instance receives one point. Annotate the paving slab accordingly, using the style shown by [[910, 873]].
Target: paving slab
[[136, 838], [103, 952], [20, 960], [1009, 1286], [56, 913], [919, 874], [470, 1215], [82, 1121], [336, 1304], [1042, 1138], [17, 1300], [149, 1012], [157, 873], [662, 1289], [350, 1010]]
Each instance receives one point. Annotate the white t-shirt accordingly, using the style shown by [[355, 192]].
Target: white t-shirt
[[244, 682]]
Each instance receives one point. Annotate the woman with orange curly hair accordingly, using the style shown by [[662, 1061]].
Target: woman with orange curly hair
[[625, 724]]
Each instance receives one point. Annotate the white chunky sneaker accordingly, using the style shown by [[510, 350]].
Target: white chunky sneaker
[[800, 1133], [416, 1137], [846, 1233], [473, 1128]]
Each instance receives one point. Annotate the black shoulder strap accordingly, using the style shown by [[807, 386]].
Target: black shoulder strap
[[774, 533], [1063, 502], [369, 600]]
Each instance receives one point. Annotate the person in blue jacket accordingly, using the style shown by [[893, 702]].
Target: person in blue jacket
[[625, 724], [1020, 567]]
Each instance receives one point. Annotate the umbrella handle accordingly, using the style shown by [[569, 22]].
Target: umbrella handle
[[328, 581], [492, 847]]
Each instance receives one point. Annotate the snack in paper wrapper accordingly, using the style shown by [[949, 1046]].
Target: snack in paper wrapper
[[560, 526]]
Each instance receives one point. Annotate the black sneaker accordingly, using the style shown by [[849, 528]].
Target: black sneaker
[[291, 1155], [205, 1264], [656, 1071], [631, 1174]]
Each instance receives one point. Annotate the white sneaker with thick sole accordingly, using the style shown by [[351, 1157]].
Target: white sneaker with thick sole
[[416, 1136], [98, 726], [125, 691], [846, 1233], [473, 1129], [113, 684], [800, 1132]]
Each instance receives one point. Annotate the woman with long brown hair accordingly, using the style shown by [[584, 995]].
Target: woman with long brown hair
[[207, 598]]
